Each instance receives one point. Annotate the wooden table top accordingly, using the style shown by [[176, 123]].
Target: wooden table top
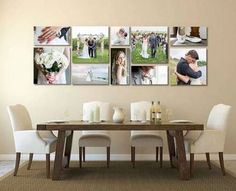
[[126, 126]]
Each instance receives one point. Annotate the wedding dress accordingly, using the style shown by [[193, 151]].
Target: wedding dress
[[85, 53], [60, 79], [55, 41], [144, 53], [119, 40], [89, 76], [195, 82]]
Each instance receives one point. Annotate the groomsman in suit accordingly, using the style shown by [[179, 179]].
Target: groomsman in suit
[[153, 44], [94, 48]]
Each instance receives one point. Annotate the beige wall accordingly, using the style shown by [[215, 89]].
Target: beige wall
[[17, 17]]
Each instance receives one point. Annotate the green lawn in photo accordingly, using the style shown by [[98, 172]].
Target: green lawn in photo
[[172, 76], [99, 59], [138, 59]]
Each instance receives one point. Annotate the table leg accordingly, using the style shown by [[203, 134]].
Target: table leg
[[68, 148], [182, 162], [171, 146], [59, 155]]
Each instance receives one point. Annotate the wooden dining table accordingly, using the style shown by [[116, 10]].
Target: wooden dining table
[[173, 131]]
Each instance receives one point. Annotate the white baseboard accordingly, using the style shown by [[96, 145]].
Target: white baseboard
[[116, 157]]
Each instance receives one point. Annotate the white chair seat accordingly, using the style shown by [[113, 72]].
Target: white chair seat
[[47, 135], [95, 139], [211, 141], [146, 140], [192, 136]]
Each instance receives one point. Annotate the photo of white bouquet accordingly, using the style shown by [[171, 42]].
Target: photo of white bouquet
[[51, 61]]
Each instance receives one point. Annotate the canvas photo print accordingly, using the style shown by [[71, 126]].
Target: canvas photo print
[[90, 74], [149, 75], [52, 65], [149, 45], [188, 66], [188, 36], [52, 35], [90, 44], [120, 36], [120, 66]]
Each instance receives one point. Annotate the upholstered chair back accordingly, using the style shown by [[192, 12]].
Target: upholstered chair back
[[105, 110], [20, 118], [139, 110], [218, 117]]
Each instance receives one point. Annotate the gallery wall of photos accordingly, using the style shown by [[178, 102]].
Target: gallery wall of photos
[[101, 55]]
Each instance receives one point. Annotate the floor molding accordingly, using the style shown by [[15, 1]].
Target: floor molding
[[116, 157]]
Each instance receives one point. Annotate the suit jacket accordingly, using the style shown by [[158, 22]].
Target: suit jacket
[[184, 69], [63, 32], [153, 41]]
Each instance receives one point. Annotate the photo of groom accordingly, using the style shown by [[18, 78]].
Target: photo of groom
[[188, 66], [90, 45], [149, 45]]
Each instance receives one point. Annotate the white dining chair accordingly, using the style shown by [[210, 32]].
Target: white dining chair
[[212, 139], [139, 112], [28, 140], [95, 138]]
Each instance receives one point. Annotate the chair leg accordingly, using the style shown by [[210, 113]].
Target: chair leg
[[17, 163], [80, 157], [157, 149], [191, 163], [221, 157], [161, 156], [108, 157], [208, 160], [30, 160], [48, 165], [133, 156], [83, 154]]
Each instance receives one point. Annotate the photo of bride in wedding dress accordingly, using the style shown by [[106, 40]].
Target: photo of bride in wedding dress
[[85, 51], [120, 35], [89, 77], [144, 50], [149, 45], [90, 74], [90, 44]]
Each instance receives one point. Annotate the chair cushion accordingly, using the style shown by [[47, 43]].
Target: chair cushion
[[192, 136], [95, 139], [146, 139], [51, 145]]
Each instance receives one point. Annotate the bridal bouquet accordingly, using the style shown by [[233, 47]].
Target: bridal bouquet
[[51, 62]]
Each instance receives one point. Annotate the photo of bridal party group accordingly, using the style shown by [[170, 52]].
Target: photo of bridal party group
[[120, 55]]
